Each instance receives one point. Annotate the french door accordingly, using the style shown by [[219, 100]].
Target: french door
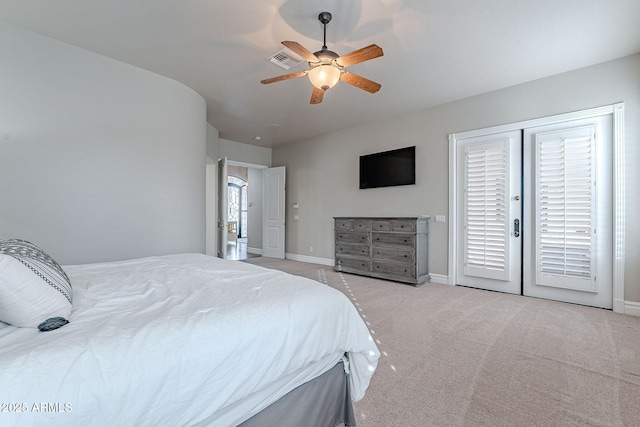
[[534, 211], [570, 210], [490, 203]]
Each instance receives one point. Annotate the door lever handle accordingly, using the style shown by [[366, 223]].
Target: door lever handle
[[516, 227]]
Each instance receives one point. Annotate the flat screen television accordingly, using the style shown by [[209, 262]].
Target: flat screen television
[[388, 168]]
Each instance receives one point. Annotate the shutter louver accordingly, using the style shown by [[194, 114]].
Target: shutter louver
[[486, 187], [565, 209]]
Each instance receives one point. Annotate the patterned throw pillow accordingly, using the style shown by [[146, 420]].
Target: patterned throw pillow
[[35, 292]]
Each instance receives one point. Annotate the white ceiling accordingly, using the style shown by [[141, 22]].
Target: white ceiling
[[435, 51]]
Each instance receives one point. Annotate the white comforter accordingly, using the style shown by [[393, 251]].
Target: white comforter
[[179, 340]]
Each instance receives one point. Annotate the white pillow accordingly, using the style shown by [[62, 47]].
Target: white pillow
[[35, 292]]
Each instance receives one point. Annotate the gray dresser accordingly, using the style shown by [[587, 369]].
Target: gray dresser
[[387, 248]]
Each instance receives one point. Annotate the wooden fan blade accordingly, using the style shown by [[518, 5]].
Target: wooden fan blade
[[285, 77], [360, 55], [316, 95], [360, 82], [301, 50]]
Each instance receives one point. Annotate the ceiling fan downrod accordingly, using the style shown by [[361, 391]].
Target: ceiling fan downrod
[[324, 18]]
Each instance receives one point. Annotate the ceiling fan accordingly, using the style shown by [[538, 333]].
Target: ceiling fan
[[327, 67]]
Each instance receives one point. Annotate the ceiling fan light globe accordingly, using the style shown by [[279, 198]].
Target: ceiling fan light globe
[[324, 76]]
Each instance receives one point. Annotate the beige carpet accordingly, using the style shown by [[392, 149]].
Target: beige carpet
[[454, 356]]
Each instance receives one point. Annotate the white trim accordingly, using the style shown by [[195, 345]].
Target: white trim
[[617, 112], [440, 279], [632, 308], [543, 121], [619, 219], [309, 259], [246, 165], [453, 217], [255, 251]]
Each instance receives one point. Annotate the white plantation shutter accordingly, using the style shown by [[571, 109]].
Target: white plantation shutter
[[565, 209], [486, 228]]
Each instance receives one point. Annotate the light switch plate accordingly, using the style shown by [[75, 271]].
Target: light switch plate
[[440, 218]]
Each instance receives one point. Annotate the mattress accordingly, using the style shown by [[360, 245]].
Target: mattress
[[179, 340]]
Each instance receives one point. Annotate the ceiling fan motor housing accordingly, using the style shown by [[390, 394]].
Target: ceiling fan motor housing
[[325, 56]]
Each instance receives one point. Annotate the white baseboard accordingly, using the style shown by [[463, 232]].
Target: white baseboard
[[632, 308], [310, 259], [255, 251], [440, 279]]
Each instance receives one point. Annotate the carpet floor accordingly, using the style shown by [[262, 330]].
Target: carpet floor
[[455, 356]]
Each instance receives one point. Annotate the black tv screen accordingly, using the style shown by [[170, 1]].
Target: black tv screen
[[389, 168]]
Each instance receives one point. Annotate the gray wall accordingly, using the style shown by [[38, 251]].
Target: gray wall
[[244, 153], [323, 172], [99, 160]]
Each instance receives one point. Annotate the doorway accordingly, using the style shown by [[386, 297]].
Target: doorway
[[237, 216], [264, 223], [533, 208], [237, 212]]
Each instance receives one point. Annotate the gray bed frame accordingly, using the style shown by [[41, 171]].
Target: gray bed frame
[[324, 401]]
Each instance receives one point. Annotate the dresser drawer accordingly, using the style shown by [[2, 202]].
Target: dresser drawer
[[381, 225], [361, 225], [343, 224], [352, 264], [352, 249], [393, 239], [403, 225], [352, 225], [402, 256], [393, 269], [352, 237]]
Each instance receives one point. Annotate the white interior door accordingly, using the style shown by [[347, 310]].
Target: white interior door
[[568, 249], [489, 212], [222, 207], [273, 226]]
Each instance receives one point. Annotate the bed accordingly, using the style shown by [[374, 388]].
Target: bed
[[188, 340]]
